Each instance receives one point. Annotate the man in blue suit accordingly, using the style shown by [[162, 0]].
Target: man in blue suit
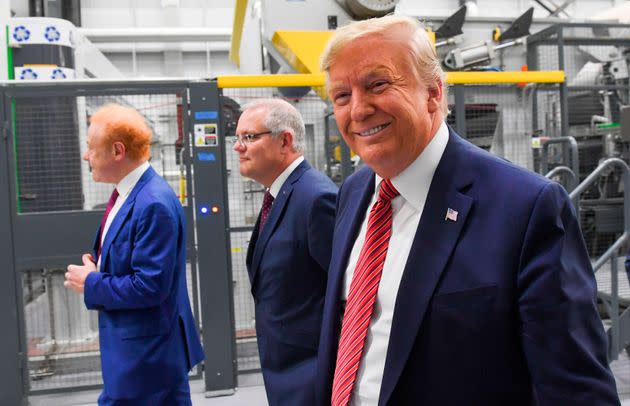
[[136, 276], [289, 249], [456, 277]]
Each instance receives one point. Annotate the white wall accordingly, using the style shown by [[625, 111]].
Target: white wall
[[277, 14], [117, 14], [581, 9]]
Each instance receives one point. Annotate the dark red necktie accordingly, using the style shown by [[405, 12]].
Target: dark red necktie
[[110, 205], [266, 208], [362, 295]]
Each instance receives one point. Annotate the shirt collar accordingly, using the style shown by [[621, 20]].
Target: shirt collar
[[277, 184], [413, 183], [129, 181]]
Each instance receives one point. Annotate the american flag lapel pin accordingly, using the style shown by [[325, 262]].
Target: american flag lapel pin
[[451, 215]]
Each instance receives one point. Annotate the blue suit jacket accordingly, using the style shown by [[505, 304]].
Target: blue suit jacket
[[148, 337], [495, 308], [287, 266]]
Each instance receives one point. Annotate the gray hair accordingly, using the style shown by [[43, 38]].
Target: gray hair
[[281, 116], [427, 64]]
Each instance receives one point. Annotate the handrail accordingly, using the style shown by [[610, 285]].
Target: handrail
[[590, 179], [615, 344], [558, 170], [575, 166]]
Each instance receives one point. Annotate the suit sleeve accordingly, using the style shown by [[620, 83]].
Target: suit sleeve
[[321, 223], [563, 339], [150, 277]]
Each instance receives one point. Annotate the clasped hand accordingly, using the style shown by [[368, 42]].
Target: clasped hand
[[76, 274]]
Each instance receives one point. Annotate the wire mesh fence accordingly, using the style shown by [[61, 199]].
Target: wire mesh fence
[[245, 199], [50, 140], [512, 121], [597, 86], [50, 132]]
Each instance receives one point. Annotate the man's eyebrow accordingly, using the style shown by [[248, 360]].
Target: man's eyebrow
[[377, 73]]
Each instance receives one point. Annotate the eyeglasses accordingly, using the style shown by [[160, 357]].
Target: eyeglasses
[[246, 139]]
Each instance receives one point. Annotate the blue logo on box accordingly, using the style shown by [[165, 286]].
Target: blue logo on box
[[52, 34], [28, 74], [58, 74], [21, 33]]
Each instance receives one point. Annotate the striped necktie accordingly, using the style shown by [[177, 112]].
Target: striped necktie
[[265, 210], [362, 295]]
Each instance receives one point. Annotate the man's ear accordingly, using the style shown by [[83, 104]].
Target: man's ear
[[287, 140], [119, 151], [434, 102]]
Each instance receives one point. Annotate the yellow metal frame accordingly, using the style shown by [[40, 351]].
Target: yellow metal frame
[[301, 49], [453, 78], [464, 78], [240, 10]]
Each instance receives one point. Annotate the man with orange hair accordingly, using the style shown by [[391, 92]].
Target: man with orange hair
[[136, 276]]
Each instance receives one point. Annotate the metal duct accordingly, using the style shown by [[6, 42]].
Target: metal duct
[[363, 9]]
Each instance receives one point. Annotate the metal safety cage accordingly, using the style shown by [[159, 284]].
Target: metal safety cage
[[56, 207], [322, 150], [501, 118], [593, 55], [488, 108]]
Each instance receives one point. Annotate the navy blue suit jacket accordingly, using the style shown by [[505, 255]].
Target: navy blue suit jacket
[[287, 263], [495, 308], [148, 337]]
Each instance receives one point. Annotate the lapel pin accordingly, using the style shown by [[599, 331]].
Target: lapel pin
[[451, 215]]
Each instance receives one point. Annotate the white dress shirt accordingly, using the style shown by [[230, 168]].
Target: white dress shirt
[[277, 184], [413, 184], [124, 187]]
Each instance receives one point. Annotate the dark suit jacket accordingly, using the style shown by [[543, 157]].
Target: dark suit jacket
[[495, 308], [148, 337], [287, 266]]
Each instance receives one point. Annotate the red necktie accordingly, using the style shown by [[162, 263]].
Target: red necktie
[[110, 205], [266, 208], [362, 295]]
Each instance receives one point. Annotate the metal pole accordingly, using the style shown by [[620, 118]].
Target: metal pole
[[614, 304], [460, 110], [13, 374]]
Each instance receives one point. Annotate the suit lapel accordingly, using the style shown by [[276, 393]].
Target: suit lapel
[[121, 216], [431, 249], [347, 229], [250, 250], [275, 217], [355, 199]]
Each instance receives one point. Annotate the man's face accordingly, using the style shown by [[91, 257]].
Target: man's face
[[261, 159], [383, 111], [100, 155]]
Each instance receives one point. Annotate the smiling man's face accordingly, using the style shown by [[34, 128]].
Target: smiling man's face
[[385, 114]]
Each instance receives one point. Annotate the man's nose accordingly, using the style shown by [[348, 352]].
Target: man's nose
[[361, 107], [238, 147]]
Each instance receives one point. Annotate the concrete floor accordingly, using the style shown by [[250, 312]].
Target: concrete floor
[[250, 392]]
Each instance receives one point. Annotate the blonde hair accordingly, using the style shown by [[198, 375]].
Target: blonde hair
[[126, 125], [427, 64]]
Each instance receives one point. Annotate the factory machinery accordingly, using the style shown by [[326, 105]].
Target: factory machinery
[[564, 130]]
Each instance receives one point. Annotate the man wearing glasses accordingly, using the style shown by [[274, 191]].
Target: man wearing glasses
[[289, 249]]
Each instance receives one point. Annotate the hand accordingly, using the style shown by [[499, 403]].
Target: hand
[[76, 275]]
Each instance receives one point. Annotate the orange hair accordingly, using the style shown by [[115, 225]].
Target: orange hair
[[126, 125]]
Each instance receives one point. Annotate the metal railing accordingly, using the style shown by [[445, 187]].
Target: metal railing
[[573, 147], [620, 324], [573, 179]]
